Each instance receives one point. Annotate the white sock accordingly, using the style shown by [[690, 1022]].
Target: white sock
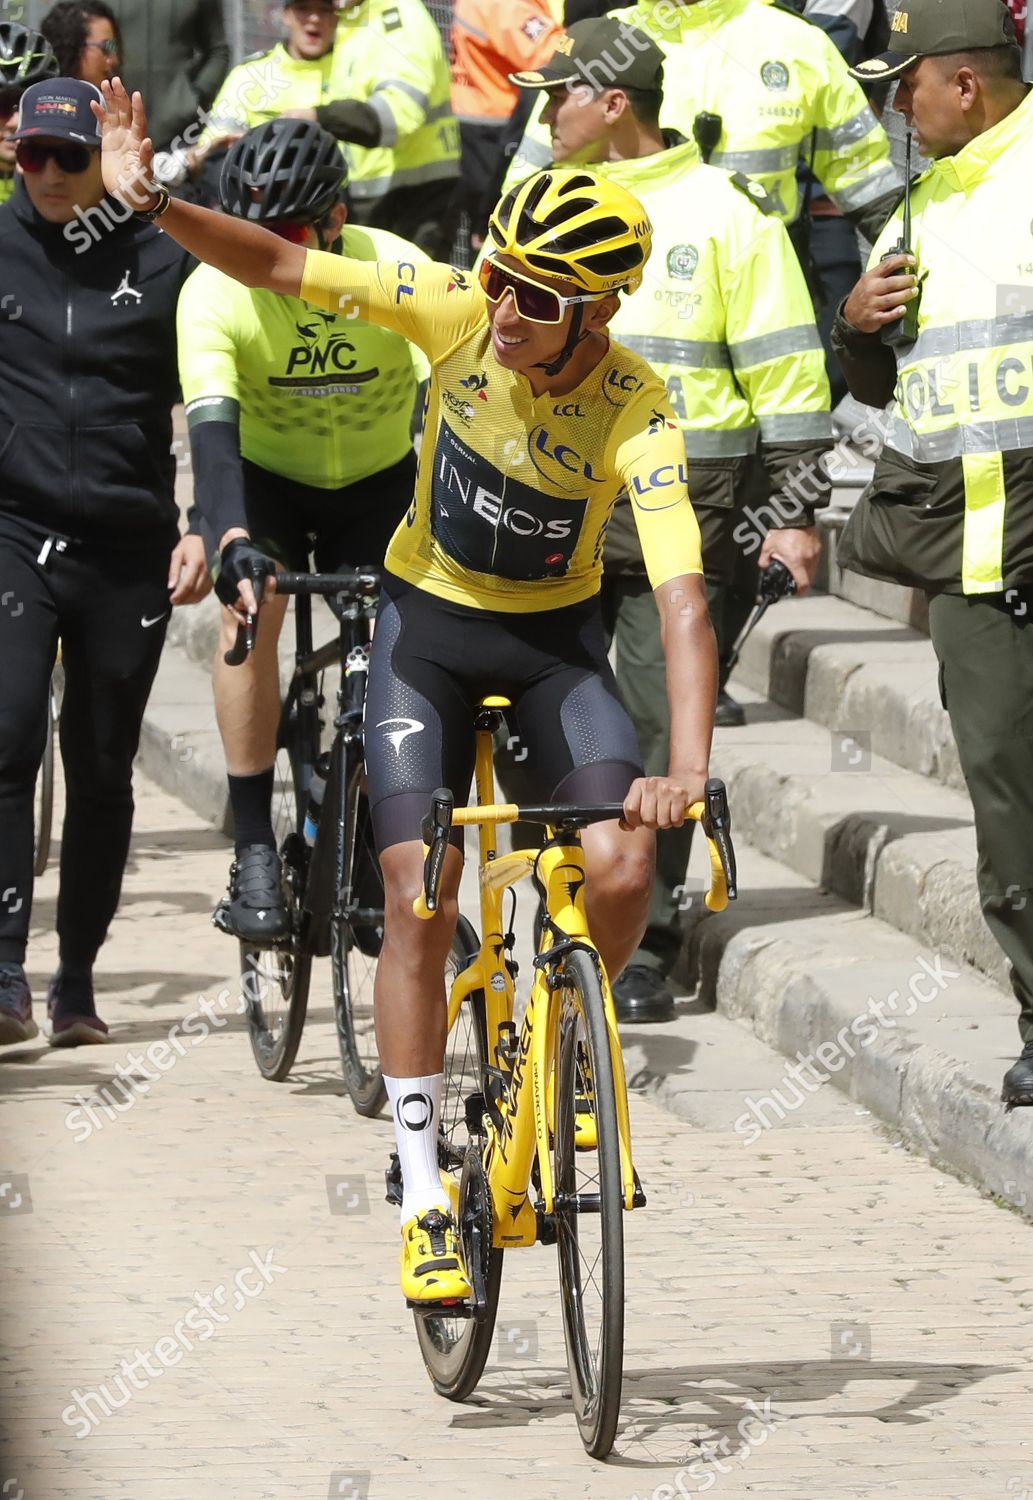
[[416, 1109]]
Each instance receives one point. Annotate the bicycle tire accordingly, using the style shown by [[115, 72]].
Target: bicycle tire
[[455, 1349], [584, 1065], [355, 946], [275, 981], [44, 819]]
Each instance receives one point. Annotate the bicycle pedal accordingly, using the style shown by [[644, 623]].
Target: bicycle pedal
[[221, 918], [453, 1307], [393, 1181]]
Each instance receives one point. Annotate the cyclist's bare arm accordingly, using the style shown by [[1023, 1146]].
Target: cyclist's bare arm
[[690, 649], [244, 251]]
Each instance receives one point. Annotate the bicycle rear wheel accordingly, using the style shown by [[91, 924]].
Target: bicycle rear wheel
[[589, 1208], [356, 934], [275, 981], [455, 1348]]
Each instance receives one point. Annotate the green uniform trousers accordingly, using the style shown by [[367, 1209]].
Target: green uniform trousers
[[984, 644]]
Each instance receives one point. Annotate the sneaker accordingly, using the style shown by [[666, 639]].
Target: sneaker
[[73, 1017], [728, 714], [256, 911], [16, 1023], [432, 1261], [1018, 1081], [641, 995]]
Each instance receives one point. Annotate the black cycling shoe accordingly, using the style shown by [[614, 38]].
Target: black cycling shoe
[[1018, 1081], [256, 911], [641, 995], [728, 714]]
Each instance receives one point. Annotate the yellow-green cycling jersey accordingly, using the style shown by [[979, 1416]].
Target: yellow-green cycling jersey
[[723, 314], [265, 86], [322, 397], [7, 182], [780, 89], [388, 54], [515, 491]]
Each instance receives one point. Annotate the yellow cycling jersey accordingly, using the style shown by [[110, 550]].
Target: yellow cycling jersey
[[514, 490]]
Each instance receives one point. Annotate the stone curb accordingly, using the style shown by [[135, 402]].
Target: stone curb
[[794, 995]]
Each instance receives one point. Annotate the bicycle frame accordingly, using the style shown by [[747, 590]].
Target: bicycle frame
[[524, 1132]]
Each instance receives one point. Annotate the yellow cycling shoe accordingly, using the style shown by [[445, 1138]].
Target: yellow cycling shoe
[[432, 1261]]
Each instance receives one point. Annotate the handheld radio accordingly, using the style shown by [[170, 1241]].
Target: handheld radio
[[905, 330]]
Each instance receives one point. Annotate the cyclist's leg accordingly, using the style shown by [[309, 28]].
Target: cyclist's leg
[[581, 747], [418, 737]]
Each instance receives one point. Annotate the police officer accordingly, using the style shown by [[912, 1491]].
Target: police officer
[[388, 99], [725, 319], [950, 506], [761, 91]]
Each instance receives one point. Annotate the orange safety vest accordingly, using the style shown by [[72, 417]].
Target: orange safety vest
[[491, 40]]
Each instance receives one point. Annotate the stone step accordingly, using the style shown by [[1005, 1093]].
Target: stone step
[[893, 843], [919, 1040], [868, 678]]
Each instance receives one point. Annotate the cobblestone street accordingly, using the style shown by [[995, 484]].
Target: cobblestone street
[[870, 1314]]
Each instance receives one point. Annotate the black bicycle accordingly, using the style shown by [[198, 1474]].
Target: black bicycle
[[332, 885]]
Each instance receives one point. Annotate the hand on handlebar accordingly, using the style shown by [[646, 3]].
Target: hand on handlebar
[[242, 568], [661, 801]]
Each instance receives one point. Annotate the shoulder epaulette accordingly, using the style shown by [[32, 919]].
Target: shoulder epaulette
[[753, 190]]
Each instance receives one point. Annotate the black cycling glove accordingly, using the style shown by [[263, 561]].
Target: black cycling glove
[[239, 560]]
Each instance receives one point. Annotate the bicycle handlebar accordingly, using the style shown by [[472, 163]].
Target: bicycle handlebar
[[711, 813], [347, 586]]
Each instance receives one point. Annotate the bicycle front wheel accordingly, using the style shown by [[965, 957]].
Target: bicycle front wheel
[[356, 935], [455, 1348], [275, 981], [589, 1206]]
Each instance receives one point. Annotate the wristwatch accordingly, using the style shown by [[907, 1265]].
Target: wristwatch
[[150, 214]]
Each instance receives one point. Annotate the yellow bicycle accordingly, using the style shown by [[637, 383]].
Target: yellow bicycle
[[535, 1140]]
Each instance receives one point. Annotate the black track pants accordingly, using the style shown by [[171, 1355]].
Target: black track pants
[[109, 610]]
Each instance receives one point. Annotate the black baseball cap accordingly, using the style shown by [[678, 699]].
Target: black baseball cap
[[60, 107], [933, 28], [605, 54]]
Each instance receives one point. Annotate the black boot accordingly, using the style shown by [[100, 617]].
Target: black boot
[[729, 714], [1018, 1081], [640, 994]]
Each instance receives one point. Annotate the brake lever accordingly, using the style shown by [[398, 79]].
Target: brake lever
[[247, 633], [437, 829], [717, 825]]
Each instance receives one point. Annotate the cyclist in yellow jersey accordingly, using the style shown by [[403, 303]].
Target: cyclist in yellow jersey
[[25, 58], [536, 423], [301, 434]]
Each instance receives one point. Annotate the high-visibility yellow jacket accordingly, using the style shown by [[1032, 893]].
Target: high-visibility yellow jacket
[[779, 87], [388, 54], [7, 182], [950, 506], [265, 86], [725, 319]]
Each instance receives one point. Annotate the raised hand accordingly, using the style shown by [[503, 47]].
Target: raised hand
[[127, 153]]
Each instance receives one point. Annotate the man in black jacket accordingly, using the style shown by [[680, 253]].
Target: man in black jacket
[[89, 537]]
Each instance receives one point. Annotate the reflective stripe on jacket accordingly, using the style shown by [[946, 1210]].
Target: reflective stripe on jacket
[[388, 54]]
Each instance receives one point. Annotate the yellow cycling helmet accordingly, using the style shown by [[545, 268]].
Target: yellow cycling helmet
[[575, 226]]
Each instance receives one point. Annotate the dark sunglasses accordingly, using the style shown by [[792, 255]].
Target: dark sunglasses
[[32, 156], [109, 47], [536, 303]]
